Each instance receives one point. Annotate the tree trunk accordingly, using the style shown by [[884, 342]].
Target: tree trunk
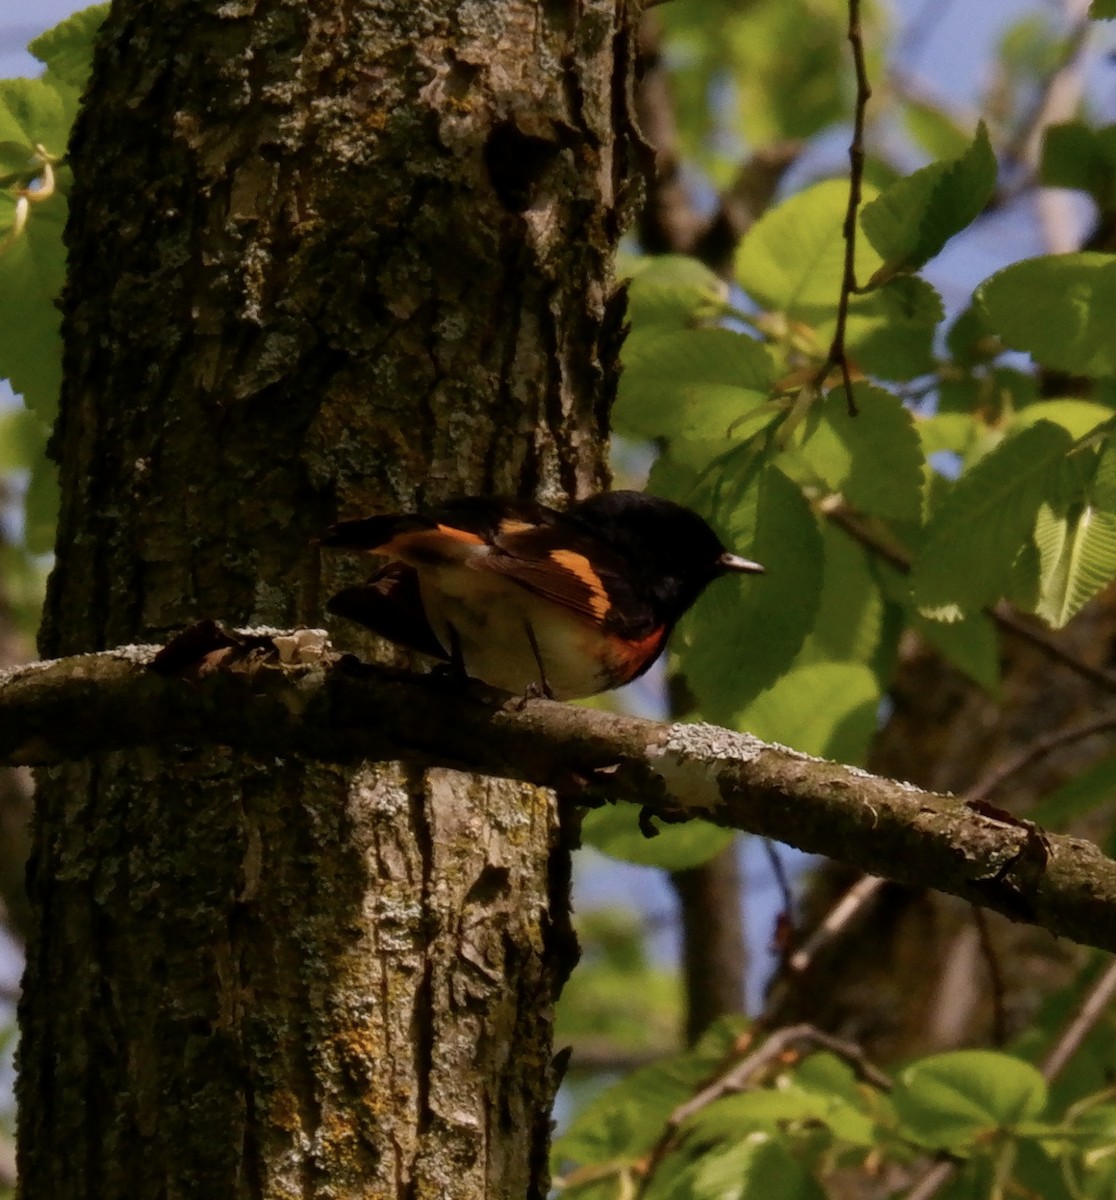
[[324, 260]]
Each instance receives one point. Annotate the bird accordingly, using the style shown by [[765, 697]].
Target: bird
[[529, 599]]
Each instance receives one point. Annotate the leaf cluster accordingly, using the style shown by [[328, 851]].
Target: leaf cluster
[[811, 1120]]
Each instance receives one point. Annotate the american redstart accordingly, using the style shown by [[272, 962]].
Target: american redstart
[[532, 600]]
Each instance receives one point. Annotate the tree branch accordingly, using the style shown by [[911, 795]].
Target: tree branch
[[338, 710]]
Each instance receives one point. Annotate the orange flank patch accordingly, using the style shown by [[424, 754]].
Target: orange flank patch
[[579, 566], [627, 658]]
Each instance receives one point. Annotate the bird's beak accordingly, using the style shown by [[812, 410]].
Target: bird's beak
[[733, 562]]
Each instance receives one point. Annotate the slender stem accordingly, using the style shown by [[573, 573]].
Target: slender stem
[[1081, 1023], [1038, 749], [838, 357]]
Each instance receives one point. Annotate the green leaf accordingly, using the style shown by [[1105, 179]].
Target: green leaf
[[934, 130], [625, 1120], [949, 1101], [743, 633], [1103, 10], [970, 341], [1077, 546], [974, 537], [971, 645], [874, 459], [67, 48], [890, 332], [786, 64], [23, 439], [1077, 552], [32, 265], [614, 830], [691, 383], [671, 291], [913, 219], [1077, 156], [792, 259], [849, 620], [823, 708], [755, 1167], [1077, 417], [32, 113], [1060, 308], [18, 163]]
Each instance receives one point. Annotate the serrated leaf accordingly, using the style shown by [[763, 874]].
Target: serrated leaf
[[614, 830], [950, 1101], [1077, 552], [743, 633], [792, 259], [1060, 308], [32, 113], [670, 291], [67, 48], [975, 536], [692, 383], [873, 459], [913, 219]]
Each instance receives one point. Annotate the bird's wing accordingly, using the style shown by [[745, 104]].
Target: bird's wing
[[565, 566]]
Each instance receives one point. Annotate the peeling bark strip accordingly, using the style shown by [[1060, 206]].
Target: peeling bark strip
[[325, 259], [340, 711]]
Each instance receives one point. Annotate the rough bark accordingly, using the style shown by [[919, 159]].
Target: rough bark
[[323, 259]]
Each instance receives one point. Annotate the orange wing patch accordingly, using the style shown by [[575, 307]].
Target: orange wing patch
[[438, 547], [582, 568], [508, 526], [461, 535]]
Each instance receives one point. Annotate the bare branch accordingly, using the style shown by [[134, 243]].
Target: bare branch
[[340, 710]]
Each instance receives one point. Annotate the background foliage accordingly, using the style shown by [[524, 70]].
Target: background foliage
[[978, 478]]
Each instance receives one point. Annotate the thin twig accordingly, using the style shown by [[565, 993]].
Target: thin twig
[[741, 1072], [995, 976], [786, 920], [1081, 1023], [838, 356], [1007, 621], [1037, 750], [839, 917], [1027, 632]]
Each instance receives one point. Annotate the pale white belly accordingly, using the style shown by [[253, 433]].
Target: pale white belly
[[490, 618]]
